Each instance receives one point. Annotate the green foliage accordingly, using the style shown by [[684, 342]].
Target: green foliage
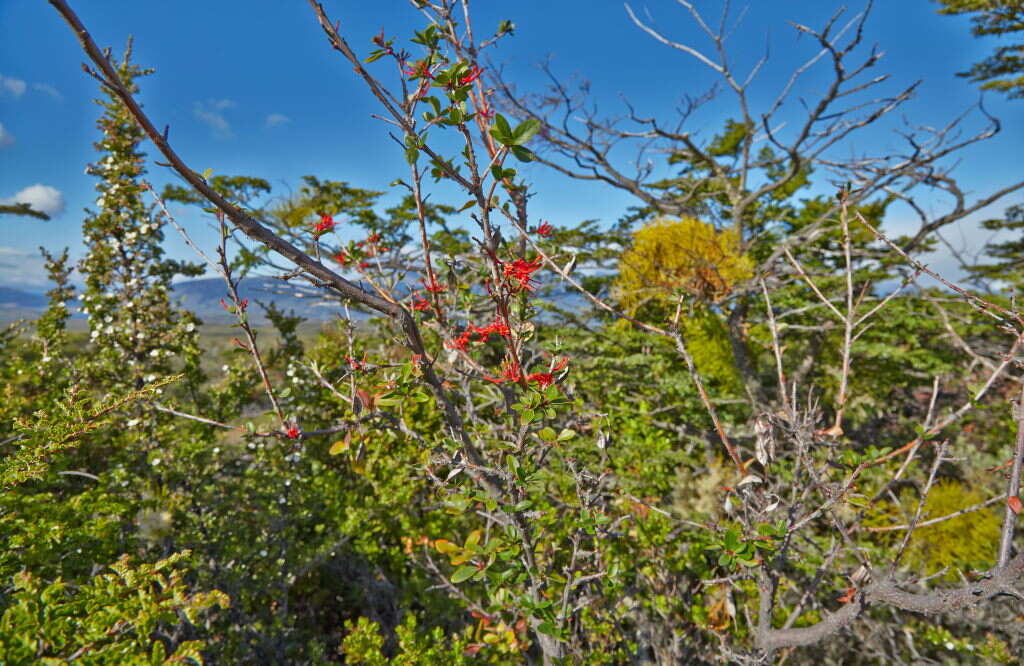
[[120, 617], [956, 545], [365, 645], [1004, 69], [62, 426]]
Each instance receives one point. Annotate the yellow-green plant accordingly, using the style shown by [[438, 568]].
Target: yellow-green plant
[[670, 256]]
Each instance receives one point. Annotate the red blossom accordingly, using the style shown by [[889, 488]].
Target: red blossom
[[472, 76], [521, 271], [498, 326], [544, 230], [354, 364], [420, 303], [461, 342], [292, 432], [342, 258], [325, 224], [433, 285], [546, 379], [509, 373], [363, 265], [225, 305], [244, 304], [420, 70]]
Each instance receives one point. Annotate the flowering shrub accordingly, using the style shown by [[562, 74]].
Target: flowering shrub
[[471, 472]]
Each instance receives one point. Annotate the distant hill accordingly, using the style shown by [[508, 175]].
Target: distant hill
[[203, 298], [16, 299], [200, 296]]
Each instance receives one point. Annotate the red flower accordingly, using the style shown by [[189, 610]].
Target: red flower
[[244, 304], [420, 303], [354, 364], [544, 230], [342, 258], [499, 326], [433, 285], [472, 76], [461, 342], [509, 373], [292, 432], [420, 70], [325, 224], [521, 271], [545, 379]]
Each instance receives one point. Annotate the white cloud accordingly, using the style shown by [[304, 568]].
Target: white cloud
[[22, 269], [6, 138], [49, 90], [211, 113], [277, 119], [43, 198], [14, 86]]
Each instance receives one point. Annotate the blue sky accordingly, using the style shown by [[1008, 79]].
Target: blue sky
[[252, 88]]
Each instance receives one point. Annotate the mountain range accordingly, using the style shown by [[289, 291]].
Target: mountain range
[[201, 296]]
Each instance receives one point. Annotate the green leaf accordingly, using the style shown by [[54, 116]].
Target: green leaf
[[547, 434], [732, 540], [566, 434], [501, 130], [525, 131], [522, 154], [464, 572]]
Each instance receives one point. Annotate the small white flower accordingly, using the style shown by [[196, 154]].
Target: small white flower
[[156, 461], [190, 327], [155, 353], [949, 645], [263, 553], [216, 450]]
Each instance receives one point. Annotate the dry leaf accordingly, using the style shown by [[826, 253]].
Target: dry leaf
[[1014, 503], [341, 445]]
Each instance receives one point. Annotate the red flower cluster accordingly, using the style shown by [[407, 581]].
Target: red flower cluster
[[509, 373], [520, 273], [497, 327], [421, 69], [292, 432], [325, 224], [241, 306], [420, 303], [545, 379], [342, 258], [472, 76], [433, 285], [354, 364], [544, 230]]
